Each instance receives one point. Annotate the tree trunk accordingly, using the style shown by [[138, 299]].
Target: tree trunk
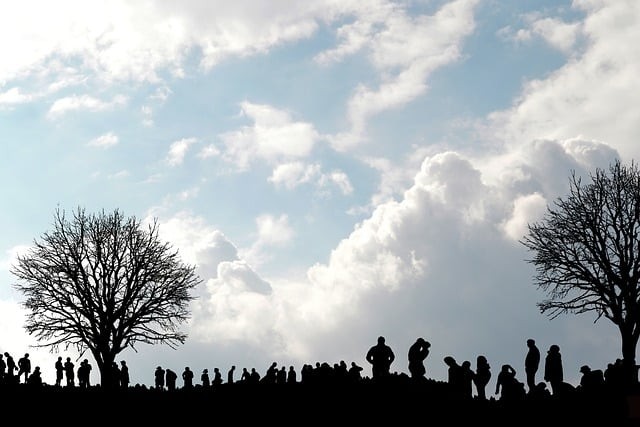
[[629, 343]]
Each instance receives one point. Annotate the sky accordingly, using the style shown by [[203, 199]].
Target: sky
[[337, 170]]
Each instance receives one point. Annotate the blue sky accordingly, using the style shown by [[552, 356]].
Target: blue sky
[[338, 170]]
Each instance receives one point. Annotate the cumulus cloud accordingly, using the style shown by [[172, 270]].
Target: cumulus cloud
[[104, 141], [591, 97], [67, 104], [418, 266], [274, 136], [178, 150]]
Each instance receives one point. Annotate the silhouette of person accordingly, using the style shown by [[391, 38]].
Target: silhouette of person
[[187, 377], [245, 377], [454, 376], [24, 367], [271, 374], [531, 363], [83, 374], [466, 380], [355, 373], [69, 372], [230, 374], [59, 370], [217, 377], [11, 366], [292, 376], [3, 368], [418, 352], [553, 373], [592, 381], [380, 356], [35, 378], [482, 376], [159, 378], [124, 374], [507, 385], [204, 378], [170, 379], [254, 376]]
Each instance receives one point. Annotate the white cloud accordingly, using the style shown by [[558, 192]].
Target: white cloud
[[12, 256], [120, 40], [404, 50], [209, 151], [83, 102], [592, 96], [526, 210], [178, 150], [273, 137], [418, 266], [14, 96], [274, 231], [338, 178], [104, 141], [293, 174]]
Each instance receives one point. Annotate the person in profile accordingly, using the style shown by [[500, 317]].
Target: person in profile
[[531, 363], [217, 377], [418, 352], [11, 366], [159, 378], [24, 367], [553, 373], [230, 374], [59, 366], [454, 376], [481, 377], [380, 356]]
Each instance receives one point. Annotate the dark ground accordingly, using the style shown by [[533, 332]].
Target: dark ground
[[299, 404]]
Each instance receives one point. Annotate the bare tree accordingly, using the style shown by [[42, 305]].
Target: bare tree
[[103, 282], [587, 253]]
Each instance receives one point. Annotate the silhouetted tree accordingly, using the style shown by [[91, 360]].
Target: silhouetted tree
[[587, 253], [103, 282]]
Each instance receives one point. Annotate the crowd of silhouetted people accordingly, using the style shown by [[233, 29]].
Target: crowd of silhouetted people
[[461, 380], [543, 381]]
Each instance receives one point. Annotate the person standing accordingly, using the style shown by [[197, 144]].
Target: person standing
[[482, 376], [159, 378], [124, 375], [230, 374], [59, 371], [553, 373], [24, 367], [531, 363], [69, 373], [381, 357], [11, 366], [418, 352]]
